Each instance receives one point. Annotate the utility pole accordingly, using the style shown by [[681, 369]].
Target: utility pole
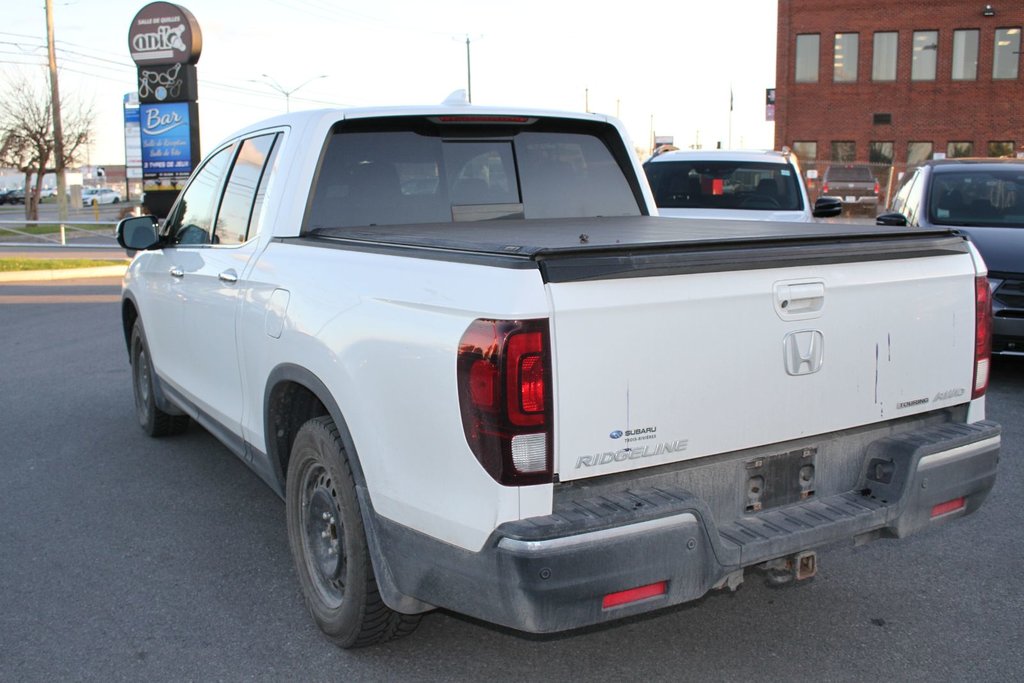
[[58, 132], [469, 76]]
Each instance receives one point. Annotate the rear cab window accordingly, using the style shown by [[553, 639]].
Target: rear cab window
[[427, 170], [722, 184]]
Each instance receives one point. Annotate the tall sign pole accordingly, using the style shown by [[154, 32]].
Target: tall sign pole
[[165, 43], [58, 132]]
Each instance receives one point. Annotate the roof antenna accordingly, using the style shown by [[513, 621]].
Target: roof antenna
[[457, 98]]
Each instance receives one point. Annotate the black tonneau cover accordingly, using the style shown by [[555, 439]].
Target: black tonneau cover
[[572, 249]]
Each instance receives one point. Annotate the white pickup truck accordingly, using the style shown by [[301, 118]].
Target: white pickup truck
[[486, 377]]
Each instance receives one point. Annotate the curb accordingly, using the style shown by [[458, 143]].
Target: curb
[[65, 274]]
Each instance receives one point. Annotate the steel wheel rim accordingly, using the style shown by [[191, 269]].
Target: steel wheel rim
[[322, 535]]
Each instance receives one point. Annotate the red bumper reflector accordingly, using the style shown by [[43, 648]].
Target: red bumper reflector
[[949, 506], [634, 594]]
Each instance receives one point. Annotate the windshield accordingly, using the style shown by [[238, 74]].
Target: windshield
[[750, 185], [978, 197]]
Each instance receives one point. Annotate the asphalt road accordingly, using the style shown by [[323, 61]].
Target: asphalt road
[[127, 558]]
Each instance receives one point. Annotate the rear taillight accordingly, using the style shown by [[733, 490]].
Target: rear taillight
[[824, 188], [504, 378], [877, 188], [982, 335]]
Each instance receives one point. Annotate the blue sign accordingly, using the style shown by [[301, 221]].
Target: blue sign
[[166, 139]]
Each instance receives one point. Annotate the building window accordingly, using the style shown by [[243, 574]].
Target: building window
[[959, 149], [1006, 53], [880, 152], [926, 47], [918, 153], [883, 64], [805, 151], [844, 151], [807, 58], [844, 61], [965, 55], [1000, 149]]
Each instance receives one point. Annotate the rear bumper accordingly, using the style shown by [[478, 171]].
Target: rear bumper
[[552, 573], [1008, 334]]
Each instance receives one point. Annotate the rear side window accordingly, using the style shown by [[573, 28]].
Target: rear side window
[[439, 174], [756, 186]]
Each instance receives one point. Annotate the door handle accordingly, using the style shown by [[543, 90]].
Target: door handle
[[177, 272], [229, 276]]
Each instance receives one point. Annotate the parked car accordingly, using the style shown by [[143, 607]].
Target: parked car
[[854, 185], [16, 196], [984, 198], [99, 195], [745, 185]]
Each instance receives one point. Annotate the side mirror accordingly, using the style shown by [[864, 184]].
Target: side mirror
[[827, 207], [892, 219], [138, 233]]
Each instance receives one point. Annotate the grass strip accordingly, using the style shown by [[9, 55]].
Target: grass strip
[[9, 265]]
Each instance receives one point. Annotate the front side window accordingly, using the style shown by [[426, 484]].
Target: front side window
[[883, 64], [976, 197], [925, 55], [240, 192], [807, 49], [965, 55], [1006, 53], [422, 173], [696, 184], [899, 200], [844, 64], [191, 219], [955, 150], [918, 152]]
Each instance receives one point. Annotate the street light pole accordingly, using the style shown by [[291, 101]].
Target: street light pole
[[288, 93]]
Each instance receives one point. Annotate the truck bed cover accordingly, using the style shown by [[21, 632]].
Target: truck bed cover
[[573, 249]]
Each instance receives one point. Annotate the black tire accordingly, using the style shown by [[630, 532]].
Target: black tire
[[116, 200], [153, 421], [328, 543]]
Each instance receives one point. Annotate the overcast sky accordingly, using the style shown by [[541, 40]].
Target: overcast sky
[[674, 62]]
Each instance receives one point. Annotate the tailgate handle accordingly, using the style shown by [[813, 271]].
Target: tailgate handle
[[799, 300]]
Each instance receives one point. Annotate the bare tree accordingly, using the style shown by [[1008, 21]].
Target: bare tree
[[26, 134]]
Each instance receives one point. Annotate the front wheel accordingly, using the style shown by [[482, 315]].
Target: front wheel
[[328, 543], [153, 421]]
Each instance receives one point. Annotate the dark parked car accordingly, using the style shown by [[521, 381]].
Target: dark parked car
[[12, 197], [985, 199], [854, 185]]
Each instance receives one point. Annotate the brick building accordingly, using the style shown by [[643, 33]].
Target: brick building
[[895, 83]]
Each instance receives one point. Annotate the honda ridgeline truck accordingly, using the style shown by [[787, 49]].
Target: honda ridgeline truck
[[485, 376]]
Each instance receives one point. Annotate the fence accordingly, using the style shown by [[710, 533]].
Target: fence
[[57, 233]]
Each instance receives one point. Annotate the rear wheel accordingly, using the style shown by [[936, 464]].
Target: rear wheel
[[153, 421], [328, 543]]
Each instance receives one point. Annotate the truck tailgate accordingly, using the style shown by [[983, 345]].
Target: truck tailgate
[[658, 369]]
